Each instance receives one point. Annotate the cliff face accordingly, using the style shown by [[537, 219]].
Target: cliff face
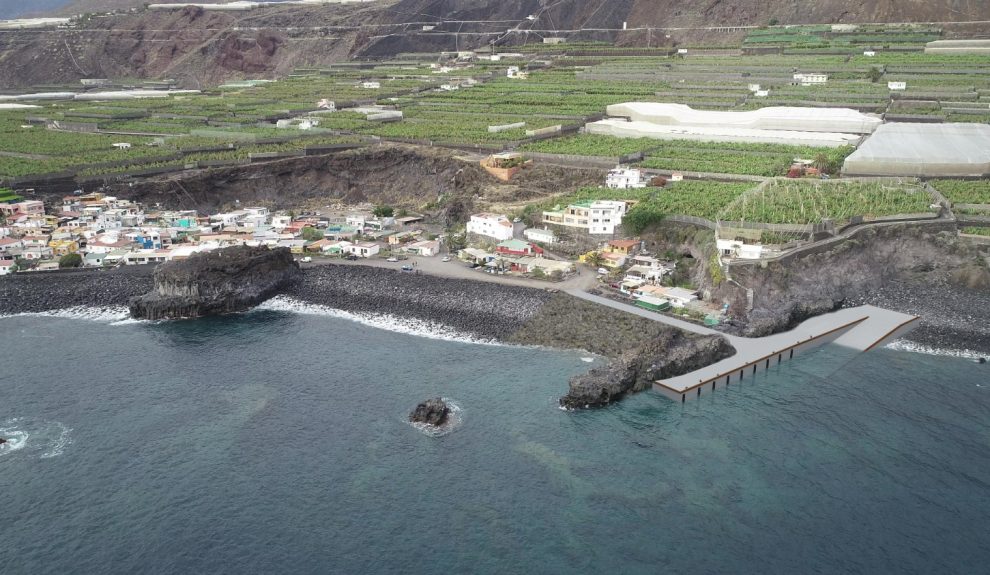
[[207, 47], [224, 281]]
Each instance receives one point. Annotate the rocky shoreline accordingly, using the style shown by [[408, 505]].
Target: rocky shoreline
[[953, 317], [640, 350]]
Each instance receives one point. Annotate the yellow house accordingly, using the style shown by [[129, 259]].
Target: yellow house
[[624, 247], [63, 247]]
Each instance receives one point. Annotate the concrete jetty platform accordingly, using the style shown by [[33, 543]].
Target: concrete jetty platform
[[860, 328]]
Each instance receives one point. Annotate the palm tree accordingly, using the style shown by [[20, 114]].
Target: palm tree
[[594, 259]]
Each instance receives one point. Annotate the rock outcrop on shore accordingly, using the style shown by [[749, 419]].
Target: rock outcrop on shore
[[674, 353], [223, 281], [431, 412], [641, 350]]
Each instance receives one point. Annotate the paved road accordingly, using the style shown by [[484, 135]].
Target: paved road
[[457, 269]]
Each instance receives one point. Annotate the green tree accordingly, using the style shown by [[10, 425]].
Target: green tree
[[70, 261], [383, 211], [311, 234], [538, 273], [594, 259], [874, 74]]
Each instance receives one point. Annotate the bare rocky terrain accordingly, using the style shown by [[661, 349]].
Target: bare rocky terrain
[[398, 175], [199, 47]]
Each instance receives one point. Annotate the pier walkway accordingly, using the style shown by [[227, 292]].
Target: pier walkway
[[861, 328]]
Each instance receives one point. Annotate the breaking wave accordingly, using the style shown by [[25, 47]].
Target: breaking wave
[[904, 345], [409, 326], [110, 314], [34, 437]]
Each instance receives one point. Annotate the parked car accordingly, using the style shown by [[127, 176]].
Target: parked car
[[407, 268], [306, 259], [392, 259], [351, 257], [602, 271], [445, 259]]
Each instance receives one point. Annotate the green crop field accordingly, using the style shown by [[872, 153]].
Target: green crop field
[[810, 202], [964, 191]]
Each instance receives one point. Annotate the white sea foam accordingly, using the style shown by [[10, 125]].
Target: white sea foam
[[108, 314], [35, 437], [454, 420], [388, 322], [904, 345], [587, 359]]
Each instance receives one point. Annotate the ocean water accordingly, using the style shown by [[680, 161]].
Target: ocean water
[[277, 442]]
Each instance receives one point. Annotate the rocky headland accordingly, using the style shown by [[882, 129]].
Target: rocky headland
[[640, 350], [223, 281]]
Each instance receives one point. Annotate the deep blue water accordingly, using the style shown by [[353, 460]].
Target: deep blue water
[[274, 442]]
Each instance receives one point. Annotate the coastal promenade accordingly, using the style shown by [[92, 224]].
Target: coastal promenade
[[860, 328]]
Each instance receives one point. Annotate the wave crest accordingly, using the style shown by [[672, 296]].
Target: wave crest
[[910, 346], [409, 326]]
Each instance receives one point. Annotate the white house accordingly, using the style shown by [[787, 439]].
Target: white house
[[897, 86], [739, 249], [363, 249], [10, 244], [623, 178], [541, 235], [6, 267], [604, 216], [515, 72], [495, 226], [810, 79], [426, 248], [371, 85]]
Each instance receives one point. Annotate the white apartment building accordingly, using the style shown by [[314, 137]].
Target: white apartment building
[[601, 217], [495, 226], [623, 178]]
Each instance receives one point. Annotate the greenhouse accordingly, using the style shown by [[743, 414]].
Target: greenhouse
[[771, 118], [623, 129], [923, 150]]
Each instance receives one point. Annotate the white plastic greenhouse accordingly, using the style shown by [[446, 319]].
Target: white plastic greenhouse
[[791, 118], [923, 150], [623, 129]]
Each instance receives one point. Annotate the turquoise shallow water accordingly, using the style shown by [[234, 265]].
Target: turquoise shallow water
[[277, 442]]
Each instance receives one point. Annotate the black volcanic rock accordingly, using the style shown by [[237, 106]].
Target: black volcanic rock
[[672, 354], [222, 281], [432, 411]]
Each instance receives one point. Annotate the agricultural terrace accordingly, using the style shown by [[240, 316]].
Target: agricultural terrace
[[581, 80], [691, 156], [811, 202], [964, 191]]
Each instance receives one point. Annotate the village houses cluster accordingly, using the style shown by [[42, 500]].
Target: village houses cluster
[[97, 230], [107, 231]]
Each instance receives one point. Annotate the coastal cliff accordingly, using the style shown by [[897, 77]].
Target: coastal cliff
[[223, 281]]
